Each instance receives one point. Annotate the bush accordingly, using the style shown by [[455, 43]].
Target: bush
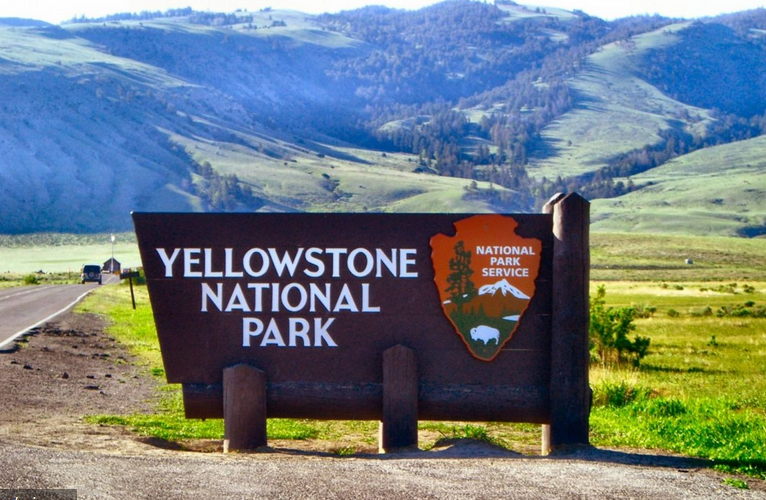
[[730, 288], [643, 311], [31, 279], [704, 312], [137, 281], [747, 309], [673, 313], [608, 332]]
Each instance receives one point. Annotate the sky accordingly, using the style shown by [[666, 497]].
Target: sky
[[57, 11]]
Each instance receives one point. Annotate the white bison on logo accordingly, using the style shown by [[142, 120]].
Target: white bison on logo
[[485, 334]]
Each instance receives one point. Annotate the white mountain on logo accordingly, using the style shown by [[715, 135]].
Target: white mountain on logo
[[503, 287]]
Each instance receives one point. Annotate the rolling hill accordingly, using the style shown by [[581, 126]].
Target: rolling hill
[[718, 190], [459, 107]]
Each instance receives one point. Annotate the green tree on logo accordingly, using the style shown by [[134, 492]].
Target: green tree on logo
[[461, 288]]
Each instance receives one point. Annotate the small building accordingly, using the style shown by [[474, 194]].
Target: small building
[[112, 266]]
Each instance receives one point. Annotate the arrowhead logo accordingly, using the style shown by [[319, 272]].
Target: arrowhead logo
[[485, 275]]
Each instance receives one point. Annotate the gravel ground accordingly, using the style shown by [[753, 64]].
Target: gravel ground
[[292, 476], [70, 368]]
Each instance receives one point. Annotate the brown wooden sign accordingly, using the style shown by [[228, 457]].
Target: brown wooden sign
[[315, 301]]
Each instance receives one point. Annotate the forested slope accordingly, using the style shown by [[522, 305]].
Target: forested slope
[[461, 106]]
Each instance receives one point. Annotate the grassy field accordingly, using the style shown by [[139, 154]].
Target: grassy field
[[62, 254], [614, 256], [700, 391], [655, 257]]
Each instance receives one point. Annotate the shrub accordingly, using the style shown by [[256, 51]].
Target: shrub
[[31, 279], [642, 311], [730, 288], [742, 310], [704, 312], [608, 332], [673, 313], [140, 280]]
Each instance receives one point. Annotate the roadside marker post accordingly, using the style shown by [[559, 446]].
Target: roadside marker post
[[130, 275]]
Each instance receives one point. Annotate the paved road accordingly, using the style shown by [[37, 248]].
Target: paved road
[[23, 308]]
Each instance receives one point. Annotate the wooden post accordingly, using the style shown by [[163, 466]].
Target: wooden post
[[569, 392], [548, 207], [132, 296], [244, 408], [546, 431], [399, 426], [130, 275]]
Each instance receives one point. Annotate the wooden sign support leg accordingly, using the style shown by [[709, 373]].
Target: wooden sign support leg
[[570, 391], [244, 408], [399, 426]]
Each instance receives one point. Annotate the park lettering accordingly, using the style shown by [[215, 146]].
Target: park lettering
[[504, 250]]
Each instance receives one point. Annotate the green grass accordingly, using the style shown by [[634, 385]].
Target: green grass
[[133, 328], [451, 431], [700, 391], [736, 483], [10, 279], [168, 423], [658, 257], [63, 254]]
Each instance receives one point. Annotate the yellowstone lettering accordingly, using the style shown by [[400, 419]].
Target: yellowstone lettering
[[312, 262]]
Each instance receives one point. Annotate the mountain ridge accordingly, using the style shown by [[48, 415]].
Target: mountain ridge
[[460, 107]]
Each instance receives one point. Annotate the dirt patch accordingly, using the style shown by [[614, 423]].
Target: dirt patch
[[70, 368], [63, 371]]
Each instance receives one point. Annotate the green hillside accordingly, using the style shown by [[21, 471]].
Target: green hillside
[[616, 110], [463, 106], [718, 190], [126, 135]]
